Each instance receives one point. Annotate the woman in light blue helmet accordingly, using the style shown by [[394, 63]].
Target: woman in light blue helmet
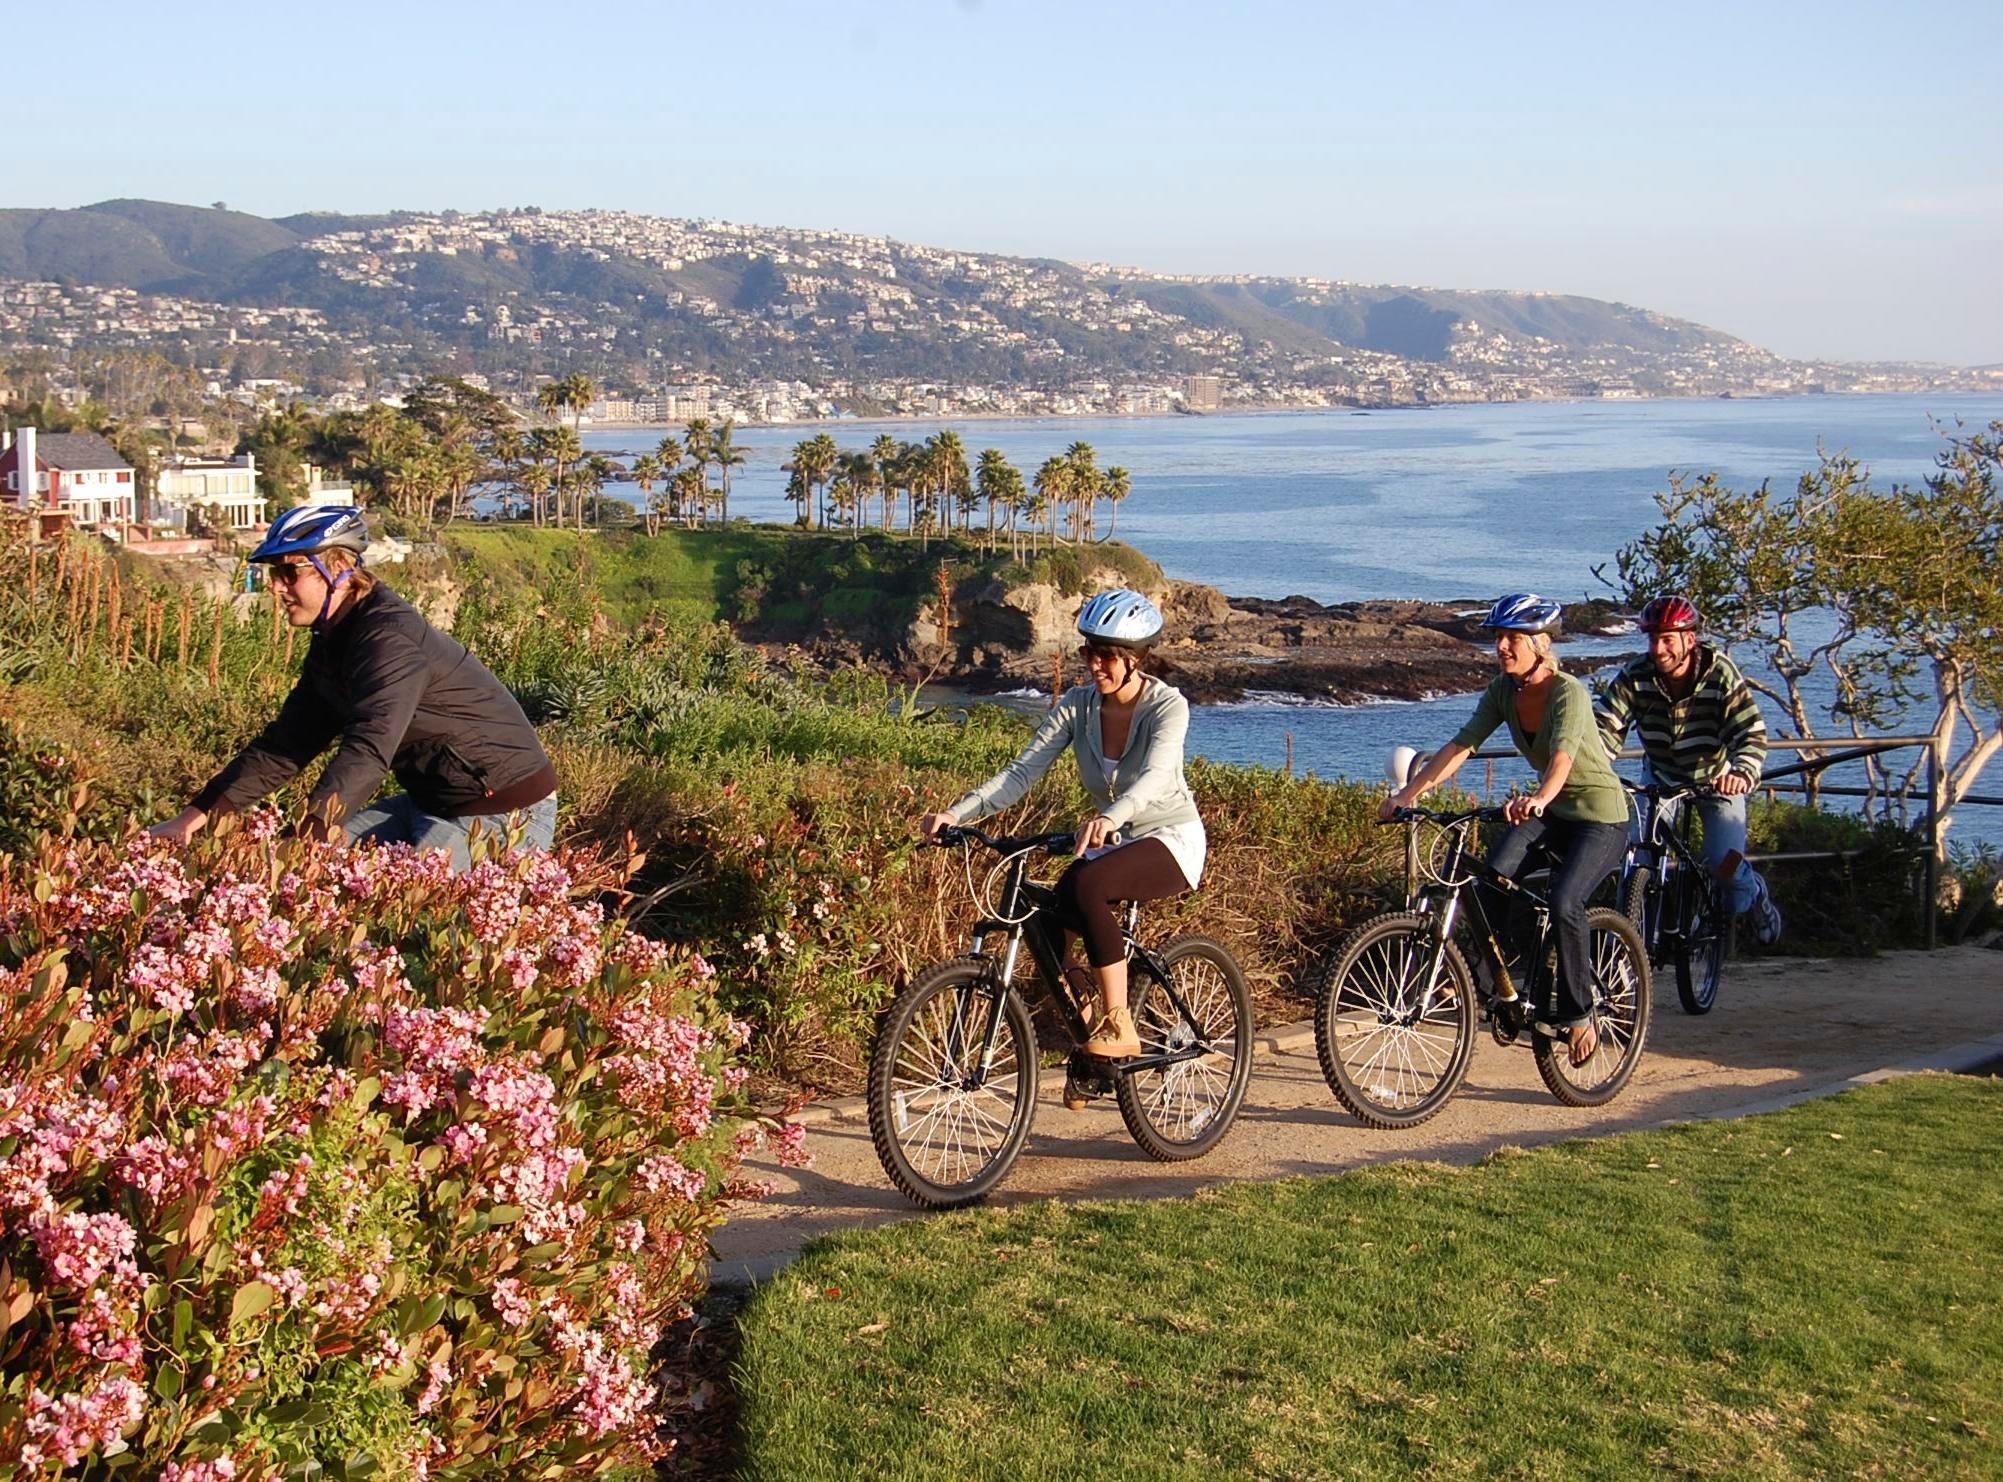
[[1146, 841], [1578, 814]]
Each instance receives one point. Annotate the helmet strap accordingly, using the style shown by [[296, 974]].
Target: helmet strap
[[334, 582]]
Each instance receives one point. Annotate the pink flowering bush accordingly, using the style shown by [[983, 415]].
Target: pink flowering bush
[[332, 1163]]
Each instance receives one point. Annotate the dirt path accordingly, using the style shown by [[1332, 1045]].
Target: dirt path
[[1784, 1029]]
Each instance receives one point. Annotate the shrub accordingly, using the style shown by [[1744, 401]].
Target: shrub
[[331, 1163]]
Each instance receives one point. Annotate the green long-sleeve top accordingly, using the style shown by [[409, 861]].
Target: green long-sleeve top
[[1592, 793]]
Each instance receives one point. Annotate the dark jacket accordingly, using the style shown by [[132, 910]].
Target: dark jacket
[[398, 695]]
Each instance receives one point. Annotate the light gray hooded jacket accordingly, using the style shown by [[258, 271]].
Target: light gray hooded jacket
[[1142, 792]]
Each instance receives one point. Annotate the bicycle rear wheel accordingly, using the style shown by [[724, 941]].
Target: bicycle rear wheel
[[1180, 1110], [1391, 1065], [1620, 1009], [946, 1128], [1701, 944]]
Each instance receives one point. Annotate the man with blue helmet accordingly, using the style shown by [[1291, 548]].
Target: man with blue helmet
[[1578, 813], [391, 694]]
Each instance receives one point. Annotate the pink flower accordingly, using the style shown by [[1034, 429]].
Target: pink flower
[[511, 1303], [78, 1248], [70, 1426], [664, 1172], [791, 1146]]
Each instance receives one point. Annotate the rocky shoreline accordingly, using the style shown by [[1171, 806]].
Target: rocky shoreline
[[1216, 649]]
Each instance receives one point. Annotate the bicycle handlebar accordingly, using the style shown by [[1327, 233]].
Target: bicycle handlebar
[[1444, 819], [1665, 792], [1053, 843]]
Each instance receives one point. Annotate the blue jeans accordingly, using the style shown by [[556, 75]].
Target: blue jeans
[[399, 820], [1724, 834]]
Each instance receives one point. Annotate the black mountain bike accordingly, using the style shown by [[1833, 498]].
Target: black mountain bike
[[1396, 1005], [953, 1072], [1676, 903]]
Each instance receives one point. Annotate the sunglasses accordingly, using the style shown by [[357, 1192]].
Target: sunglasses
[[288, 573], [1091, 653]]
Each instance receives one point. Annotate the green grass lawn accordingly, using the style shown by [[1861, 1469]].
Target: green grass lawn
[[1809, 1293]]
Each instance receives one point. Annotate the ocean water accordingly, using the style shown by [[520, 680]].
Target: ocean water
[[1452, 502]]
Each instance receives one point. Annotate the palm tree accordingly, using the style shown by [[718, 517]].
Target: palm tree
[[884, 451], [1117, 484], [647, 468], [946, 457], [856, 478], [991, 480], [593, 473], [691, 486], [558, 447], [698, 439], [1084, 488], [1053, 484], [726, 455]]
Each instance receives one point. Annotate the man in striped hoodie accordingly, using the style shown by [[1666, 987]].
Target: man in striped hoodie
[[1700, 727]]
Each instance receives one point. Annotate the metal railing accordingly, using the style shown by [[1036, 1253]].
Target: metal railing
[[1834, 752]]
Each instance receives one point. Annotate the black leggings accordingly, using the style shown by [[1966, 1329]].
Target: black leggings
[[1141, 871]]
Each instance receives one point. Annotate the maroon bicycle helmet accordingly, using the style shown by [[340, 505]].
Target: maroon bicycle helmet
[[1669, 615]]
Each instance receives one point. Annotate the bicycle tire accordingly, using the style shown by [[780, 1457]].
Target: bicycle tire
[[1634, 898], [1620, 1007], [1199, 1098], [943, 1145], [1701, 945], [1365, 1057]]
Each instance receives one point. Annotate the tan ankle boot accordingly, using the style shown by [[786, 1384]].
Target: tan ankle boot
[[1114, 1036]]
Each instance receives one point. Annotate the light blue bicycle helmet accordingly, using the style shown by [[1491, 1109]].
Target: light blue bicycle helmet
[[1524, 612], [1120, 619]]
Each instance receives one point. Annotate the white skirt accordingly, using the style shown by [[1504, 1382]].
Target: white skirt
[[1187, 842]]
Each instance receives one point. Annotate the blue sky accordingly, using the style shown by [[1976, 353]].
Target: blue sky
[[1823, 180]]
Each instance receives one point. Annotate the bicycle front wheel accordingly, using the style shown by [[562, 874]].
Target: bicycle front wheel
[[1620, 1009], [948, 1120], [1389, 1056], [1700, 945], [1180, 1109]]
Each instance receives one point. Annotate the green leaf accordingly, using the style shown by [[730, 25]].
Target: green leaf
[[184, 1320], [167, 1383], [430, 1158], [504, 1214], [252, 1299], [365, 1091], [425, 1314]]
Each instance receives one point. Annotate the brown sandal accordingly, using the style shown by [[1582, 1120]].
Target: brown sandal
[[1584, 1040]]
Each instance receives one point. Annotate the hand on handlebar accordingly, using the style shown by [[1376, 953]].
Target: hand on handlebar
[[1732, 784], [1391, 807], [1092, 833], [1522, 809], [930, 826]]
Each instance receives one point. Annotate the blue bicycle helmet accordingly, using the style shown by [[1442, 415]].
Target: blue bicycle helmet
[[307, 528], [1524, 612], [1119, 619]]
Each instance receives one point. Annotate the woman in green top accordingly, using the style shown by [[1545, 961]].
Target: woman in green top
[[1578, 815]]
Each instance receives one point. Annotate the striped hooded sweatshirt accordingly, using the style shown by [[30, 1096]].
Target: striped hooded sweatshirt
[[1689, 740]]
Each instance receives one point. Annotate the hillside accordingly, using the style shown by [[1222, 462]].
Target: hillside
[[521, 291]]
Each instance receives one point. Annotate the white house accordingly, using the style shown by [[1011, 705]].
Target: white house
[[225, 487]]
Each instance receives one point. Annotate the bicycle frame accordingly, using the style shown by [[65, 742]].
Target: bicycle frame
[[1027, 914], [1665, 846], [1447, 898]]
